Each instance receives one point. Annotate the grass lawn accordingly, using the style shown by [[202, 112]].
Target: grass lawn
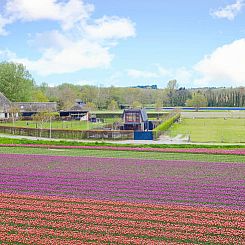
[[125, 154], [76, 124], [211, 130]]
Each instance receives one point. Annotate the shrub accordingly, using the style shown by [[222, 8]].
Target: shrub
[[167, 124]]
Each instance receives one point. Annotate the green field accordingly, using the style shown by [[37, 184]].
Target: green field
[[125, 154], [211, 130], [77, 125]]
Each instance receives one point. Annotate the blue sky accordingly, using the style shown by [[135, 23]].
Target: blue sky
[[126, 43]]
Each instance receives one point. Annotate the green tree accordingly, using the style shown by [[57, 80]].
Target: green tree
[[171, 91], [16, 83], [90, 106], [113, 106], [43, 117], [39, 96], [14, 112], [198, 100], [136, 104]]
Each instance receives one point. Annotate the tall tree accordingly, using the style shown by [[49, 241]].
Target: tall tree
[[171, 91], [113, 106], [16, 83], [198, 100]]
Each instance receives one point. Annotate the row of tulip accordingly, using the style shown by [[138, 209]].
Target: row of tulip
[[113, 214], [165, 202], [239, 151], [57, 220], [122, 207], [72, 221], [130, 180]]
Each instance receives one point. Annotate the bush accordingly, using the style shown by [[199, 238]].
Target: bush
[[167, 124]]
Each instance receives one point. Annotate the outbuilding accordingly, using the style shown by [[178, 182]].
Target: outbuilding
[[135, 119]]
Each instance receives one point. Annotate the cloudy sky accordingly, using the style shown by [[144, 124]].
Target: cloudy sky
[[127, 42]]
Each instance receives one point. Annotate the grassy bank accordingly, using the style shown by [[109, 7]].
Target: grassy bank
[[101, 143]]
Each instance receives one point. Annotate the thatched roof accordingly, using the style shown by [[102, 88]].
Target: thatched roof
[[4, 102], [36, 106]]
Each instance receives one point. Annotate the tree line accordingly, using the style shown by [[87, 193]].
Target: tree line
[[17, 84]]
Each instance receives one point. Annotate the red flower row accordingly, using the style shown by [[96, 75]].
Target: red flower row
[[50, 220]]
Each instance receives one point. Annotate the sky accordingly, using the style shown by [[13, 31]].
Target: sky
[[128, 42]]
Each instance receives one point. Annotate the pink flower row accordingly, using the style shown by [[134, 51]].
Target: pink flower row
[[123, 148]]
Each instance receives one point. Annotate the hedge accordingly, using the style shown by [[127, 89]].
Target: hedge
[[167, 124]]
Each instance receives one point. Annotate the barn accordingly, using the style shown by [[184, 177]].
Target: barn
[[28, 109], [77, 112]]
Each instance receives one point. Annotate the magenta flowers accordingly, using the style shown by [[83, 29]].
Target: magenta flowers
[[145, 181]]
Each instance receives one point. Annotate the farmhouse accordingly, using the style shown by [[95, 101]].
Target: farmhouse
[[5, 105], [25, 109], [135, 119]]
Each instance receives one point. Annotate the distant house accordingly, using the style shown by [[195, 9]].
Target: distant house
[[28, 109], [25, 109], [135, 119], [5, 105], [77, 112]]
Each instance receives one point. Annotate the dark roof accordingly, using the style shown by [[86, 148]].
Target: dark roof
[[36, 106], [4, 102], [77, 107], [141, 111]]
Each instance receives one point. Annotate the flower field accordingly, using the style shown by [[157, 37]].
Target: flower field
[[91, 200]]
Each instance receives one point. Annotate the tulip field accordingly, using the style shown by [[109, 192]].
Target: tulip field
[[55, 199]]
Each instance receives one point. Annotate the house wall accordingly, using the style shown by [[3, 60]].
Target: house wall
[[3, 115]]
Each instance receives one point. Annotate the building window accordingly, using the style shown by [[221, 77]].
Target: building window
[[132, 117]]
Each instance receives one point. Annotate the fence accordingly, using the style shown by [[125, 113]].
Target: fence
[[69, 134], [143, 135]]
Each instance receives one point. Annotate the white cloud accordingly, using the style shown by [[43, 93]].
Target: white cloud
[[142, 74], [80, 55], [230, 11], [224, 67], [182, 74], [3, 22], [68, 13], [110, 28], [80, 43], [51, 39]]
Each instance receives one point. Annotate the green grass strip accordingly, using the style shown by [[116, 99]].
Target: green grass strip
[[101, 143], [125, 154]]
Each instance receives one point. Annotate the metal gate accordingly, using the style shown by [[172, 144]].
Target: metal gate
[[142, 135]]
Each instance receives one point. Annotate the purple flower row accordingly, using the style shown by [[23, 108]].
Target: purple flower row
[[145, 181]]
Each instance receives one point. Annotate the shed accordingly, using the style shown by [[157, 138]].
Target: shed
[[77, 111]]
